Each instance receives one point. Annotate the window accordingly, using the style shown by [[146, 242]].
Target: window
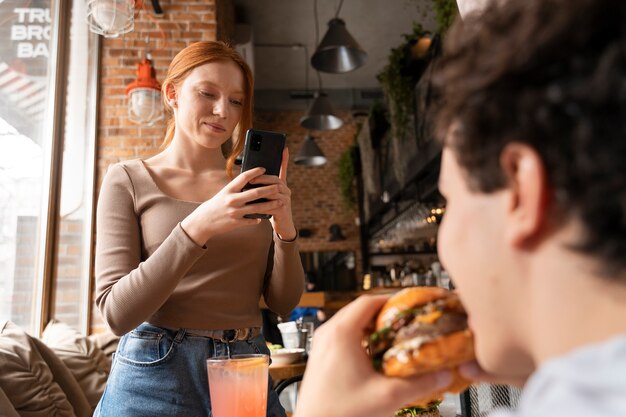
[[46, 178], [73, 254]]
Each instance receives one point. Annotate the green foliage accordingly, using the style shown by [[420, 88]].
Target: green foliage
[[396, 77], [445, 13], [398, 83], [417, 411], [377, 107], [346, 176], [378, 122]]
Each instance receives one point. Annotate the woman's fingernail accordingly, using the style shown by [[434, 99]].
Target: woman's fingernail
[[444, 379]]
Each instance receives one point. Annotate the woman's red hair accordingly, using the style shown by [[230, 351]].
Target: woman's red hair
[[201, 53]]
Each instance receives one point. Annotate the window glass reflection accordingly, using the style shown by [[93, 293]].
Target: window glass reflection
[[24, 83]]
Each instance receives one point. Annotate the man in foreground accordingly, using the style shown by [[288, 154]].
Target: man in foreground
[[533, 123]]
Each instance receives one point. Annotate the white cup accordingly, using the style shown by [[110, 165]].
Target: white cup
[[292, 340]]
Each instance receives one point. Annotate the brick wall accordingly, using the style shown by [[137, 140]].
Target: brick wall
[[184, 22], [67, 277], [69, 272], [316, 194], [317, 200], [24, 276]]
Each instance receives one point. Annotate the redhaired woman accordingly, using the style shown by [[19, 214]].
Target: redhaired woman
[[179, 269]]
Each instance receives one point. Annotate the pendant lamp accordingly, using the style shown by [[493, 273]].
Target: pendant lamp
[[321, 115], [144, 96], [310, 154], [338, 52], [111, 18]]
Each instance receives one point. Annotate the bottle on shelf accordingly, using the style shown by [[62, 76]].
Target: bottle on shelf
[[367, 281]]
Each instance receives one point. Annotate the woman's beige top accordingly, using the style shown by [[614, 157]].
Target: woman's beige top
[[148, 269]]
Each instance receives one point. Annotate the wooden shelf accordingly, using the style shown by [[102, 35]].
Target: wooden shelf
[[313, 299], [404, 253], [335, 300]]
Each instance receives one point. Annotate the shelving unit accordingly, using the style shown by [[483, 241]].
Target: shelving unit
[[398, 181], [403, 253], [411, 234]]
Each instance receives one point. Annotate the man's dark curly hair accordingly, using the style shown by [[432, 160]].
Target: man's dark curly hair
[[550, 74]]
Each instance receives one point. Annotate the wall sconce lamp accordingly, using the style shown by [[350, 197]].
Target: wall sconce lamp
[[338, 52], [144, 95]]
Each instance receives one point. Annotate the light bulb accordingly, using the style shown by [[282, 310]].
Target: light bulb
[[145, 106]]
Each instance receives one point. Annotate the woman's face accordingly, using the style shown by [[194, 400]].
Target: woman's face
[[209, 103], [473, 249]]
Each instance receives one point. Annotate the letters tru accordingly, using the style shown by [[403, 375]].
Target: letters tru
[[32, 32]]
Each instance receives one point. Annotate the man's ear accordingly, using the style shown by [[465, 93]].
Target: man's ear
[[528, 187]]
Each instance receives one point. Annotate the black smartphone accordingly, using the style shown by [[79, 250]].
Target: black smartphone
[[262, 149]]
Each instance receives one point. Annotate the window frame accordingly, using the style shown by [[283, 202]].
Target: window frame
[[61, 12]]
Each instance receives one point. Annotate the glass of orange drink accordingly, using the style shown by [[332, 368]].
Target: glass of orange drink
[[238, 385]]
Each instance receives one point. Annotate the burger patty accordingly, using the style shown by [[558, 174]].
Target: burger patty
[[449, 322], [437, 318]]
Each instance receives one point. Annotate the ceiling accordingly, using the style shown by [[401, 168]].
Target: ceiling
[[283, 33]]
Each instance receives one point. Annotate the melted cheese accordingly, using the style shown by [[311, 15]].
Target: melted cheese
[[429, 318]]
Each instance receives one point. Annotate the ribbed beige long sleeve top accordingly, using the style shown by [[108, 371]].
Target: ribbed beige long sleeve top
[[148, 269]]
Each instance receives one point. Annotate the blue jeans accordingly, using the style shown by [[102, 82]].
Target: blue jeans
[[162, 372]]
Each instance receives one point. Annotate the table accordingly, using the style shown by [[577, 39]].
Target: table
[[285, 375], [281, 372]]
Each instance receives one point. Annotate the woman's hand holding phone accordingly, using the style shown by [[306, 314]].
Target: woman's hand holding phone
[[282, 219], [225, 211]]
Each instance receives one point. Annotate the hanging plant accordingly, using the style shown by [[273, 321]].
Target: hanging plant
[[346, 176], [408, 61], [398, 80], [445, 13], [378, 123]]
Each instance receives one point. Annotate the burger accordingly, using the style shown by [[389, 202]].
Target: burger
[[421, 330]]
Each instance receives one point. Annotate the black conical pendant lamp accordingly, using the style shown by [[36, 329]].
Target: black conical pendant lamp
[[321, 115], [338, 52], [310, 154]]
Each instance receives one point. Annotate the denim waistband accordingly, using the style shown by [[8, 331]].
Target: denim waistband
[[226, 335]]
